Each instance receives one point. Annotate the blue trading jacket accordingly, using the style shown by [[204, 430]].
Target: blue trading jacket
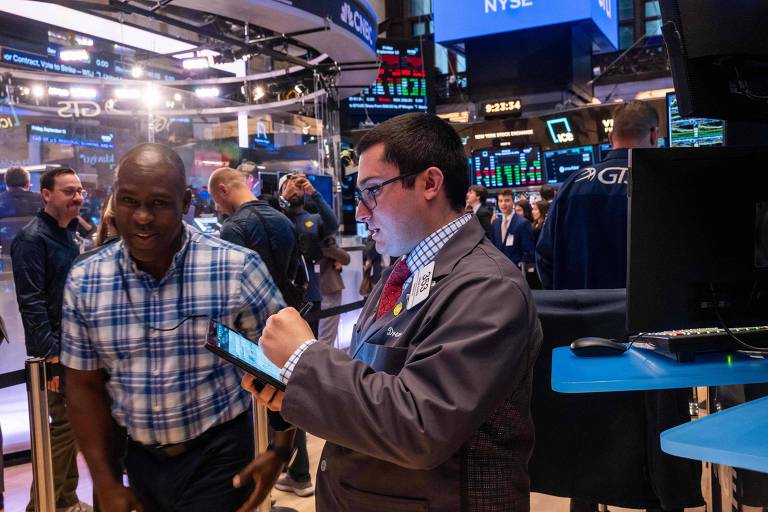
[[583, 244]]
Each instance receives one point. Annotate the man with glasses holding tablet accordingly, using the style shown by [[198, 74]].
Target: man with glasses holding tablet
[[41, 255], [430, 408]]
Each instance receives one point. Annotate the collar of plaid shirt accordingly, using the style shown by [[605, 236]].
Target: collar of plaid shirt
[[426, 250]]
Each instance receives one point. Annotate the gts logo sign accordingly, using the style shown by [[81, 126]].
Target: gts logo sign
[[607, 176]]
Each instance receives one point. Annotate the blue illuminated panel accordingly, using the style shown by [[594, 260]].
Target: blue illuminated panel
[[463, 19]]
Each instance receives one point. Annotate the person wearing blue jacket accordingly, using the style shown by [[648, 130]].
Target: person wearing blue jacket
[[583, 244], [512, 234]]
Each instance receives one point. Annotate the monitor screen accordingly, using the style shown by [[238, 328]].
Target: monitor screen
[[207, 224], [401, 85], [692, 132], [507, 167], [562, 163]]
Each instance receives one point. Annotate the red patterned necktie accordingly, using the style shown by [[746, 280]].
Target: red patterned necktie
[[393, 288]]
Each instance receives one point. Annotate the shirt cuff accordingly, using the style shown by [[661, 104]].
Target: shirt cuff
[[290, 365]]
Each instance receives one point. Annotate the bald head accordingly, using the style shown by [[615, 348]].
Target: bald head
[[156, 159], [227, 176], [229, 189]]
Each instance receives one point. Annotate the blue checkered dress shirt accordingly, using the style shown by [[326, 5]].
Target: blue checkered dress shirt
[[165, 386], [421, 255]]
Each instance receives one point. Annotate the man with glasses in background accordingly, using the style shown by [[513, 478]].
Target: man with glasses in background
[[41, 254]]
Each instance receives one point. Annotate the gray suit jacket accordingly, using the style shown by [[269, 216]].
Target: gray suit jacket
[[432, 410]]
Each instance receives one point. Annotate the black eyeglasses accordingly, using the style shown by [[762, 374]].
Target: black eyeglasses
[[368, 195]]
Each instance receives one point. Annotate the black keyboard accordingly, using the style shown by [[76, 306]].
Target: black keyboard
[[684, 344]]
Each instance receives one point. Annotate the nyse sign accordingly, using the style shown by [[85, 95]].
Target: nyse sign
[[503, 5]]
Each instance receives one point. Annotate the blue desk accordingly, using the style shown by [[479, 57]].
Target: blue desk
[[734, 437], [640, 370]]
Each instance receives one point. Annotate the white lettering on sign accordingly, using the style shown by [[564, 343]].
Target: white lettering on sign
[[6, 122], [607, 125], [78, 109], [493, 5], [606, 6], [355, 20]]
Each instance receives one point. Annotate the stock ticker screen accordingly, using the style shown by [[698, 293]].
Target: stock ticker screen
[[562, 163], [507, 167], [692, 132], [401, 85]]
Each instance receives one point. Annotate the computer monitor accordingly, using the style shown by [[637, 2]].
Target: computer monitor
[[207, 224], [692, 132], [507, 167], [685, 255], [562, 163]]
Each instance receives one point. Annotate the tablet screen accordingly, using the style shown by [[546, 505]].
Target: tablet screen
[[245, 350]]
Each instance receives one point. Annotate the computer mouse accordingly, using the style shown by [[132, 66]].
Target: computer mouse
[[596, 347]]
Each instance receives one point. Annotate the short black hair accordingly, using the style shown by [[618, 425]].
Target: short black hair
[[16, 177], [480, 191], [168, 156], [417, 141], [547, 192], [48, 179], [634, 119]]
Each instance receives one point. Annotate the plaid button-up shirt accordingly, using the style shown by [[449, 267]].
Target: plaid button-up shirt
[[165, 386], [421, 255]]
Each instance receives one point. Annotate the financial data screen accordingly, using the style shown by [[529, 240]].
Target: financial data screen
[[401, 85], [562, 163], [692, 132], [507, 167]]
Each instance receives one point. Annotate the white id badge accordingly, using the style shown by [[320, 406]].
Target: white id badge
[[510, 241], [422, 283]]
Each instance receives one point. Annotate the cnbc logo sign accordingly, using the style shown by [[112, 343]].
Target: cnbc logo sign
[[352, 17], [509, 5]]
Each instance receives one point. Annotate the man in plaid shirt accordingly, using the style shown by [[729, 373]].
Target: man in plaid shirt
[[137, 312]]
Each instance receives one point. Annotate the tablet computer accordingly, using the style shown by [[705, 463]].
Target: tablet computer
[[247, 354]]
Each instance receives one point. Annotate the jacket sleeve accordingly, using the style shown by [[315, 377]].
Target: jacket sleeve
[[330, 222], [337, 254], [528, 246], [545, 248], [28, 257], [492, 234], [459, 367]]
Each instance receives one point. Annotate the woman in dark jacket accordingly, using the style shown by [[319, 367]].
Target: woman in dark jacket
[[539, 212]]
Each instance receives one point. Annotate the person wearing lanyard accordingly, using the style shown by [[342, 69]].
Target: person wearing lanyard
[[430, 408], [138, 311]]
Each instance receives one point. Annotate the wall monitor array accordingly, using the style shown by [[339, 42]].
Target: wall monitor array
[[508, 167], [562, 163]]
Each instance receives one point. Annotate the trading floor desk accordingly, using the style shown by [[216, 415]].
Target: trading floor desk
[[734, 437]]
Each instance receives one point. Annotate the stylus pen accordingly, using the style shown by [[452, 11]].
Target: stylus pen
[[305, 308]]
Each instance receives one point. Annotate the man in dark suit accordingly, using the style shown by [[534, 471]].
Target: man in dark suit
[[512, 234], [429, 409], [476, 196]]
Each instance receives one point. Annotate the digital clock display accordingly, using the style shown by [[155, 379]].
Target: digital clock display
[[509, 107]]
